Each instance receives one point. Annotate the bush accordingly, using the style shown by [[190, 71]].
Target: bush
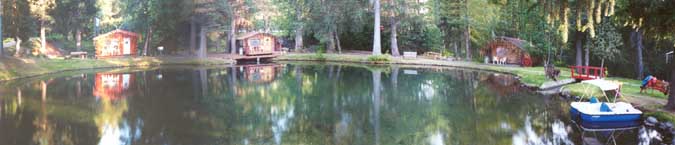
[[320, 56], [379, 58]]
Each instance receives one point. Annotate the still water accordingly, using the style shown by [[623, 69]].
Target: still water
[[286, 104]]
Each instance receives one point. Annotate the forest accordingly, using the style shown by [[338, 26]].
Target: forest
[[624, 34]]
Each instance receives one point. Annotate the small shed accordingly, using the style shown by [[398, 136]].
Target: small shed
[[511, 49], [257, 43], [116, 43]]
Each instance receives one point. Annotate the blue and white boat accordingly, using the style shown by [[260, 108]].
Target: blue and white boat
[[605, 112]]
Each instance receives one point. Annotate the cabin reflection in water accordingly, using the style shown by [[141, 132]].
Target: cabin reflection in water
[[260, 73], [501, 83], [112, 86]]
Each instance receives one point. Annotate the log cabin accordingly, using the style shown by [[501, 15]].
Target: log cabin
[[511, 49], [257, 43]]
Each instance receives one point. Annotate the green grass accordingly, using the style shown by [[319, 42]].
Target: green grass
[[632, 87], [533, 76], [13, 68]]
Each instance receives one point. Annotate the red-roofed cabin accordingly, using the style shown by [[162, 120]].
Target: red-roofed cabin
[[511, 49], [116, 43], [257, 43]]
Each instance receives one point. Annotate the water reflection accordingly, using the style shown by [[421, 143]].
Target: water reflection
[[281, 104]]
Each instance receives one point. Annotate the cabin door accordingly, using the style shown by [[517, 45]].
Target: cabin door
[[127, 46]]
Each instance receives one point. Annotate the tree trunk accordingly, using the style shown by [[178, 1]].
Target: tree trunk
[[78, 39], [202, 42], [298, 38], [193, 36], [299, 29], [219, 44], [377, 46], [2, 45], [587, 55], [337, 40], [467, 36], [394, 38], [43, 37], [203, 82], [377, 80], [671, 95], [578, 44], [331, 42], [457, 53], [18, 52], [637, 42], [148, 39], [233, 39]]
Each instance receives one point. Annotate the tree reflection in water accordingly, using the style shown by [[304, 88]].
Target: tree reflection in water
[[281, 104]]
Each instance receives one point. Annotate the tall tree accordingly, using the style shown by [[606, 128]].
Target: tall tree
[[238, 12], [298, 23], [397, 9], [377, 43], [18, 23], [2, 47], [636, 41], [40, 9]]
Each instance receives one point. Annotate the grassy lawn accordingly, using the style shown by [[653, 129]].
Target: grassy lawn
[[533, 76], [529, 75], [12, 68]]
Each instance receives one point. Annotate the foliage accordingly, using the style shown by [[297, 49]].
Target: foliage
[[608, 43], [433, 38], [379, 58]]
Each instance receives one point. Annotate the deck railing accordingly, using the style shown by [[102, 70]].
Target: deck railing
[[587, 72]]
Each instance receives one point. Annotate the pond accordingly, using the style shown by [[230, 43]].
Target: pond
[[286, 104]]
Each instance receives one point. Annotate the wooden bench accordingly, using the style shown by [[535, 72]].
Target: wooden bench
[[80, 54], [409, 54]]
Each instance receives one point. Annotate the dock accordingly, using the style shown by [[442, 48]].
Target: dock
[[247, 58]]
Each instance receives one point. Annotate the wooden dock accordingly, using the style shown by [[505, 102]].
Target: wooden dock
[[246, 58]]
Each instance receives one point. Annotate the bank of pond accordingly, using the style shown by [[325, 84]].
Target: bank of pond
[[293, 103]]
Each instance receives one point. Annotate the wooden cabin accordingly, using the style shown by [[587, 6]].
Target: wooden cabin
[[511, 49], [116, 43], [112, 86], [257, 43]]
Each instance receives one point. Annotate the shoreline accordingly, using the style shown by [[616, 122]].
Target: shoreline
[[21, 68], [650, 104], [530, 78]]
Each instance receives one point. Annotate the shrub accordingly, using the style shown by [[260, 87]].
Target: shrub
[[379, 58]]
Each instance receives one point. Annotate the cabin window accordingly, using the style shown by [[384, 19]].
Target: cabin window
[[255, 42], [111, 48]]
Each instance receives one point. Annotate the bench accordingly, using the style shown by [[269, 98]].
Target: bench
[[80, 54], [409, 54]]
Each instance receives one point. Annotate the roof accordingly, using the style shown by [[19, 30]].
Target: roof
[[251, 34], [117, 31], [669, 53], [515, 41]]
